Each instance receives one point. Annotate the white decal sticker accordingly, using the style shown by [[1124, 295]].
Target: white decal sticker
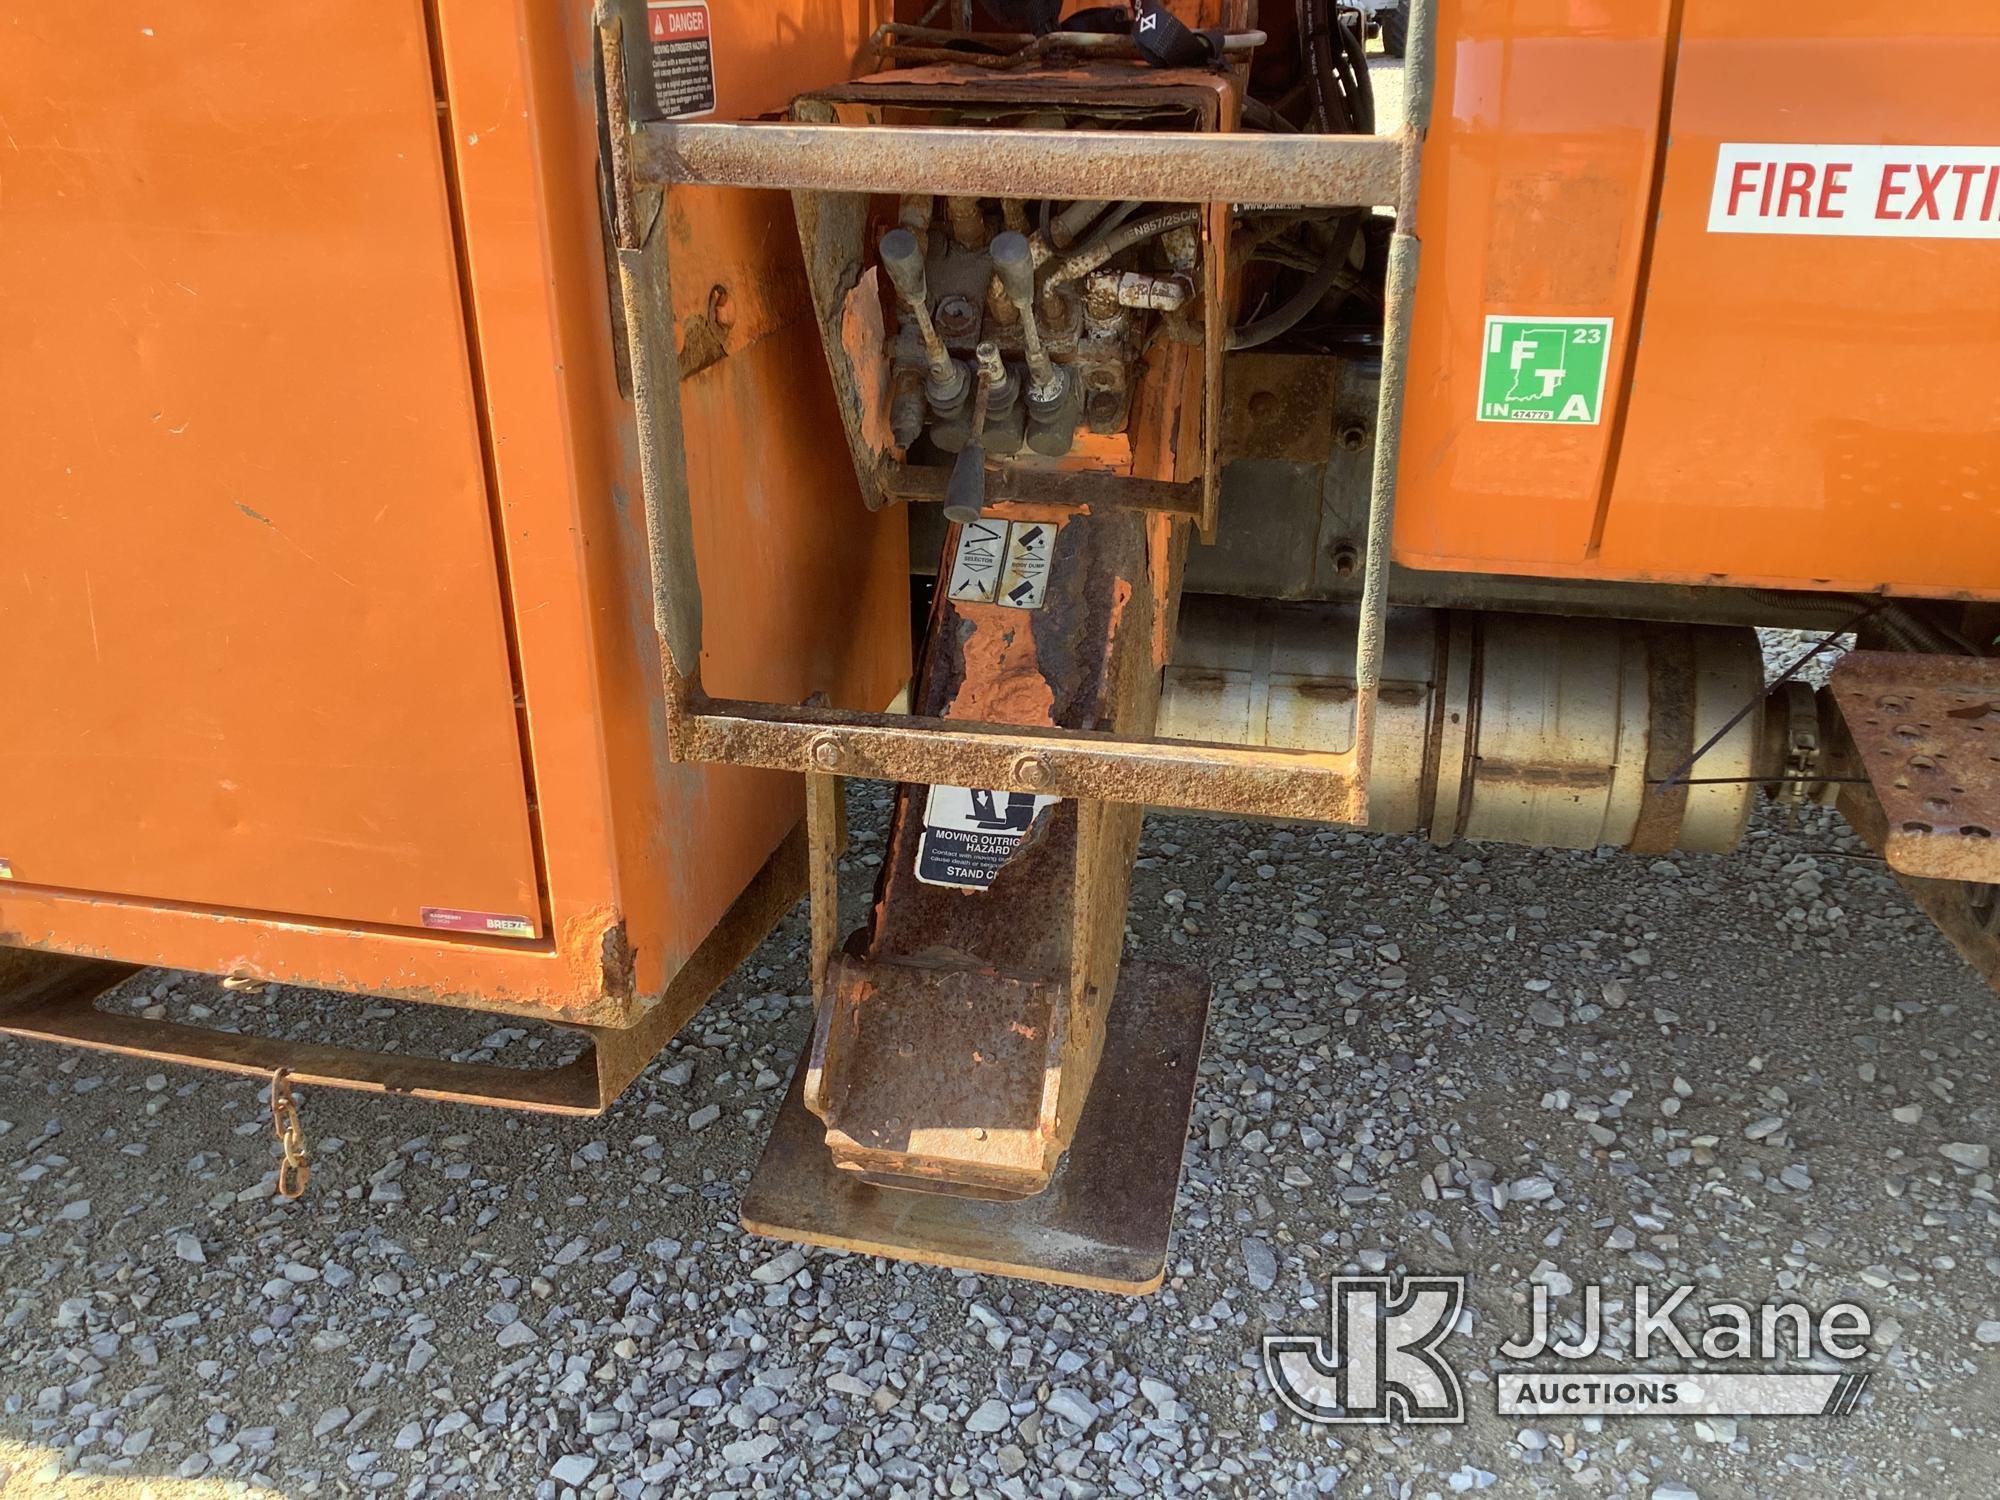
[[1922, 192], [970, 832], [975, 567], [1024, 577]]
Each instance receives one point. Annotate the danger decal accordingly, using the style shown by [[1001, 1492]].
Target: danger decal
[[1922, 192], [683, 57]]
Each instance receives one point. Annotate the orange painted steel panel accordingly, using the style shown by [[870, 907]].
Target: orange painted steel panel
[[1805, 411], [258, 658], [641, 855], [1821, 410], [1533, 204]]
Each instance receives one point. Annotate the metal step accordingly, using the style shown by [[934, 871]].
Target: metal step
[[1926, 731]]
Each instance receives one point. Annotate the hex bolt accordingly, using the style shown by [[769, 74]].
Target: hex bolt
[[1030, 772], [826, 751]]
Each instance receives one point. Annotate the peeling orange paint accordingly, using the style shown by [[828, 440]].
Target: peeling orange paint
[[1003, 675]]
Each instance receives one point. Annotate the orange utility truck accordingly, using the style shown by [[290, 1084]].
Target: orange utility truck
[[467, 469]]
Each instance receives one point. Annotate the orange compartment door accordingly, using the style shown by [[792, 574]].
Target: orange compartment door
[[1533, 214], [1815, 401], [253, 651]]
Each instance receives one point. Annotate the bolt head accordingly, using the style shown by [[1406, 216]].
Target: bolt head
[[826, 751], [1030, 772]]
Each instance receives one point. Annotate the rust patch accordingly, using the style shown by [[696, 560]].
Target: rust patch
[[703, 343], [1926, 731], [1002, 683], [865, 344]]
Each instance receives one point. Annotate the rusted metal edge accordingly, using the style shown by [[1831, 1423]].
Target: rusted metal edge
[[1250, 782], [1958, 907], [1106, 1221], [1335, 171], [1926, 732], [914, 483], [53, 998]]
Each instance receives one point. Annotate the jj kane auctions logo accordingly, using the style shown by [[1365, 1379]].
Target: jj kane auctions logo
[[1382, 1357]]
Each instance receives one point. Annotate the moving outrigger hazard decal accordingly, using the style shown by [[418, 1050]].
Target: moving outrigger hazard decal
[[683, 57], [1544, 369], [971, 831]]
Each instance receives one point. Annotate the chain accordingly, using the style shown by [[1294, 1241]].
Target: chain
[[295, 1170]]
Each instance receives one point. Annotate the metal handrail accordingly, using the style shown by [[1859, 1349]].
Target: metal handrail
[[1168, 166]]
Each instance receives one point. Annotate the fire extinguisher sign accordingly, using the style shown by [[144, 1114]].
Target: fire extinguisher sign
[[683, 57]]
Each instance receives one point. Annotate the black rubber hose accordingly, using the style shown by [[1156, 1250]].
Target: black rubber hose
[[1104, 245], [1288, 314]]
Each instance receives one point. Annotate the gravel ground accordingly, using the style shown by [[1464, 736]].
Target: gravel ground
[[1758, 1074]]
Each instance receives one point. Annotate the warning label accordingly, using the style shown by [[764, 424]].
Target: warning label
[[970, 832], [1544, 369], [683, 57], [1001, 562], [1922, 192], [1024, 577]]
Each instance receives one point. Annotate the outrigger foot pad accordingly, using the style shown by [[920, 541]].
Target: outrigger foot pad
[[1106, 1219]]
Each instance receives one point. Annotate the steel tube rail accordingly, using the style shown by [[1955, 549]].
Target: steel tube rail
[[1336, 171], [1398, 300], [1250, 781]]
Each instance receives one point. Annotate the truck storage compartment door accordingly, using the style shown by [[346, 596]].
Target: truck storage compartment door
[[1533, 214], [1814, 401], [252, 647]]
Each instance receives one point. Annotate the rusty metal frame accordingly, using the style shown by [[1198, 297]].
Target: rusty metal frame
[[1168, 166], [1172, 166], [1926, 732]]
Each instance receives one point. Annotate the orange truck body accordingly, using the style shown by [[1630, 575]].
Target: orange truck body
[[1800, 396], [327, 611], [329, 652]]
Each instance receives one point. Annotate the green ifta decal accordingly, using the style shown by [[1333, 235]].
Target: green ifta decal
[[1544, 369]]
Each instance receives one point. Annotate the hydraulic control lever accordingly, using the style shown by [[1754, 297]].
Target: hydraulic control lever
[[994, 401], [1052, 398], [948, 381]]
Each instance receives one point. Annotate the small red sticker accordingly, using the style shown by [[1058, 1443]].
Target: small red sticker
[[677, 23], [450, 919]]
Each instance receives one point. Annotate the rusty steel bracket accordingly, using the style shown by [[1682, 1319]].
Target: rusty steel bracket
[[53, 997], [1106, 1219], [1926, 732], [1966, 912], [649, 156], [954, 1046]]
